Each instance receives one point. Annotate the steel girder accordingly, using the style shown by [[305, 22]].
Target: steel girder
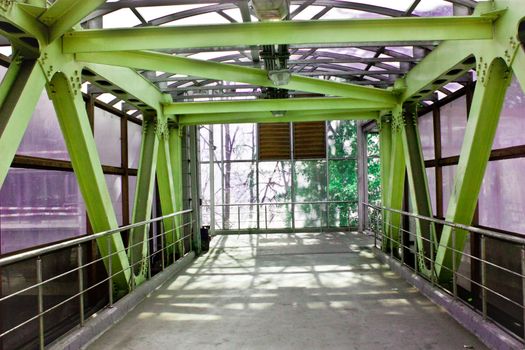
[[265, 105], [181, 65], [72, 116], [354, 31], [268, 117]]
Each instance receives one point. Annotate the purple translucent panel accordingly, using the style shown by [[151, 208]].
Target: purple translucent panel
[[434, 8], [426, 132], [39, 207], [511, 127], [453, 123], [107, 137], [134, 140], [449, 173], [502, 196], [132, 183], [43, 137], [431, 176], [114, 183]]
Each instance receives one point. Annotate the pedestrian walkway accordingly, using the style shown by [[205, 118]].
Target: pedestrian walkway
[[300, 291]]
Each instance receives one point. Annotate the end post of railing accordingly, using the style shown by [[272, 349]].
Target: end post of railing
[[39, 280], [484, 276], [110, 270], [80, 284]]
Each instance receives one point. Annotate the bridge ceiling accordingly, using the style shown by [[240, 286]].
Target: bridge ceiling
[[374, 64]]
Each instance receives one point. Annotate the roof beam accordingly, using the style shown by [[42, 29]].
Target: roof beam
[[266, 105], [353, 31], [268, 117], [220, 71], [62, 15]]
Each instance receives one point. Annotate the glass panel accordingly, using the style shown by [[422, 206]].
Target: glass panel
[[511, 127], [114, 183], [39, 207], [342, 139], [453, 124], [342, 180], [432, 8], [107, 137], [132, 188], [275, 182], [310, 180], [502, 196], [372, 144], [374, 181], [431, 177], [134, 140], [239, 141], [276, 216], [449, 172], [204, 141], [43, 137], [426, 133], [310, 215], [342, 215]]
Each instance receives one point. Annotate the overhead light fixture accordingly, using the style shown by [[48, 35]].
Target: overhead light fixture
[[270, 10], [278, 114], [280, 77]]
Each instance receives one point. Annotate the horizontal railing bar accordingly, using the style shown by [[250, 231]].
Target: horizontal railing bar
[[69, 243], [477, 230], [279, 203]]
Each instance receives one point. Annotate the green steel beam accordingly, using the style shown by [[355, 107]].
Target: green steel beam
[[19, 93], [30, 35], [138, 238], [220, 71], [78, 136], [475, 152], [395, 186], [385, 152], [132, 83], [62, 15], [195, 187], [165, 183], [354, 31], [419, 192], [268, 117], [267, 105], [175, 148]]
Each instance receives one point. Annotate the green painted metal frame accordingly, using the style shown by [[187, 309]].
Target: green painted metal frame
[[212, 70], [355, 31], [488, 39], [266, 105], [176, 156]]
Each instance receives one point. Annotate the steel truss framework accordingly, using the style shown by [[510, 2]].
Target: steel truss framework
[[53, 53]]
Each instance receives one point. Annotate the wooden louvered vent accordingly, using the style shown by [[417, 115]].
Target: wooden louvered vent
[[309, 140], [274, 141]]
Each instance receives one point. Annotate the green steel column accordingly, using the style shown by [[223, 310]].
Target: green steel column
[[19, 93], [138, 238], [166, 184], [74, 123], [493, 80], [385, 151], [418, 185], [195, 187], [175, 145], [396, 184]]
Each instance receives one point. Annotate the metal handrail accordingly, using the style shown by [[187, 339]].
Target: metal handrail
[[278, 203], [485, 232], [69, 243], [402, 246]]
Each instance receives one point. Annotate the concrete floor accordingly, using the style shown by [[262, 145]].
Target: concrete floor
[[302, 291]]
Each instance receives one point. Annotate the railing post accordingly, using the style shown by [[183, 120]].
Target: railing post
[[174, 240], [80, 283], [432, 269], [483, 276], [523, 285], [454, 266], [266, 218], [40, 303], [162, 247], [110, 270], [402, 246], [239, 219]]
